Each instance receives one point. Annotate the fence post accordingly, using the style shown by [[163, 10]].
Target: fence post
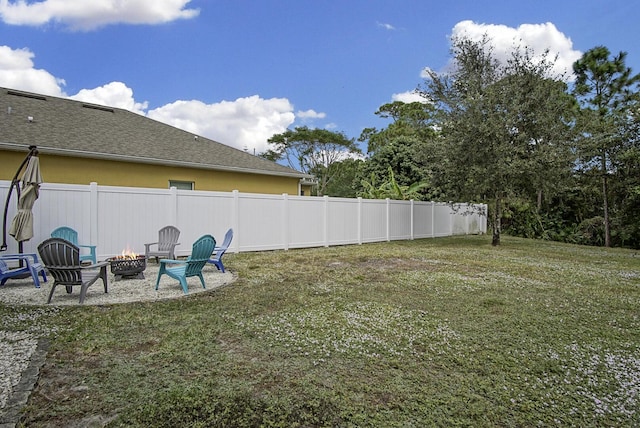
[[326, 221], [93, 213], [486, 217], [451, 219], [411, 219], [359, 220], [173, 198], [235, 221], [433, 219], [388, 214], [285, 220]]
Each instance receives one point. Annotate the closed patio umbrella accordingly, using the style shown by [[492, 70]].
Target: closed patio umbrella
[[22, 225]]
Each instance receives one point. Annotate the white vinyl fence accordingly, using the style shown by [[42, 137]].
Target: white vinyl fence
[[119, 218]]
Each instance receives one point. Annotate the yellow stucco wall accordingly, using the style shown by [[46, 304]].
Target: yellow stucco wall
[[70, 170]]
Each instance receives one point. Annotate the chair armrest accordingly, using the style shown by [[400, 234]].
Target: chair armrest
[[147, 247], [86, 246], [24, 256], [173, 261], [95, 265]]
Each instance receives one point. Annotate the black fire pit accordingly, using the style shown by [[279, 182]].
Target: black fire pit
[[128, 267]]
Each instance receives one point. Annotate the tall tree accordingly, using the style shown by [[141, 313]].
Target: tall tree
[[313, 151], [343, 182], [496, 123], [605, 88], [402, 146]]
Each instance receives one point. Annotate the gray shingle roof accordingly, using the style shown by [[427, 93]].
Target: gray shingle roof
[[67, 127]]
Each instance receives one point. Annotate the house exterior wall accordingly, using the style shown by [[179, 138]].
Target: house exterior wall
[[76, 170]]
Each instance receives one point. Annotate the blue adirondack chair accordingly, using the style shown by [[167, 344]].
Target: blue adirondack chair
[[219, 251], [31, 266], [192, 266], [71, 235]]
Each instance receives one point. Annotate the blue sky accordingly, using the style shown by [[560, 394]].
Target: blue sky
[[239, 71]]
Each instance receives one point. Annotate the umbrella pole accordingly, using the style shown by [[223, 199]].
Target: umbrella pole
[[33, 151]]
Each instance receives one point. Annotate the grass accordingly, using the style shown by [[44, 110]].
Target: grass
[[436, 332]]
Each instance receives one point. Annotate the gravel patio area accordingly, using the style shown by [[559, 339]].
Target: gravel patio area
[[23, 292]]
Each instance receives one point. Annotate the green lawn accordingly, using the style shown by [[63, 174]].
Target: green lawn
[[433, 332]]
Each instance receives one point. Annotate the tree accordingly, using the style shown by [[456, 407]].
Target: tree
[[502, 124], [414, 119], [313, 151], [606, 89], [343, 181], [402, 146]]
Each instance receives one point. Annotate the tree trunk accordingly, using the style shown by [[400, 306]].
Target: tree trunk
[[539, 200], [605, 206], [605, 200], [497, 217]]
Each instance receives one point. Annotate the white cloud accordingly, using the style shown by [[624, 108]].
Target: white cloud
[[409, 97], [246, 123], [17, 72], [386, 26], [114, 94], [310, 114], [88, 15], [537, 37]]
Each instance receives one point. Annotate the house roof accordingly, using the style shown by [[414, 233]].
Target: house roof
[[67, 127]]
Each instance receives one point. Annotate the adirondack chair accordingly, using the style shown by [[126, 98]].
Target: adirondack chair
[[62, 260], [71, 235], [192, 266], [32, 266], [219, 251], [167, 241]]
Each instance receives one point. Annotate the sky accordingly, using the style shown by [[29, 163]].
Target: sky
[[240, 71]]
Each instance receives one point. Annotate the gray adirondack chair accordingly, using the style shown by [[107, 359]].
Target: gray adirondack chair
[[62, 260], [165, 246]]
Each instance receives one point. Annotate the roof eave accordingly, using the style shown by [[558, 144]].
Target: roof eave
[[152, 161]]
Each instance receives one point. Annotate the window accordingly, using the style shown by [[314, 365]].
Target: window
[[181, 185]]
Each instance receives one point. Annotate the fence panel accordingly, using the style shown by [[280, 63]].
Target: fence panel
[[423, 219], [442, 220], [199, 213], [343, 221], [400, 220], [129, 218], [305, 223], [260, 222], [374, 220], [57, 205]]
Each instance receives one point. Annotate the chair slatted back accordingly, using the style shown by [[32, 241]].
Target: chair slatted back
[[62, 259], [66, 233], [167, 237], [225, 244], [200, 254]]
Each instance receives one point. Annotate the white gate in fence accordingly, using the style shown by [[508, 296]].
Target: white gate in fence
[[116, 218]]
